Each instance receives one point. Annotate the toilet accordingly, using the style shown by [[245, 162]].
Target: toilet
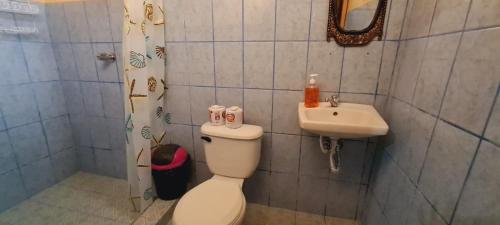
[[232, 155]]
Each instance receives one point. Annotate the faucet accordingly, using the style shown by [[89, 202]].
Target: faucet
[[334, 100]]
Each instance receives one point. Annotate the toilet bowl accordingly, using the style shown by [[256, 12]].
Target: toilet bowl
[[216, 201], [232, 155]]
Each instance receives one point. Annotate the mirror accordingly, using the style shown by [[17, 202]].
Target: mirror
[[355, 22], [355, 14]]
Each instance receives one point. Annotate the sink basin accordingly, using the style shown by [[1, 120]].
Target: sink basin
[[348, 120]]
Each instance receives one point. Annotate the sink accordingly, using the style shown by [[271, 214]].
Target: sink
[[348, 120]]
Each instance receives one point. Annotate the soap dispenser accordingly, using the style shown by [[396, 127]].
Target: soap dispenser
[[311, 92]]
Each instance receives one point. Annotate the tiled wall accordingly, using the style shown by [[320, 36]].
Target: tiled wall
[[80, 30], [439, 164], [256, 54], [36, 144]]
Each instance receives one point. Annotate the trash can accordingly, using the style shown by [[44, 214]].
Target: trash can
[[171, 169]]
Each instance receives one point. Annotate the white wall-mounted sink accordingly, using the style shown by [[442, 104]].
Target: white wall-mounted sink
[[348, 120]]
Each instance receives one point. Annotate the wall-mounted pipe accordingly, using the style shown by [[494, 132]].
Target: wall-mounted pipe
[[333, 147]]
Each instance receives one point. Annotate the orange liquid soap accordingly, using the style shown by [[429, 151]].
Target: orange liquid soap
[[311, 97], [311, 92]]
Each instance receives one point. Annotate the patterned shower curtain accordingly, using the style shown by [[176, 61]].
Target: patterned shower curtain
[[145, 88]]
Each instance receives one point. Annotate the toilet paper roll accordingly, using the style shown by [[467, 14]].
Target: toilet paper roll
[[217, 115], [234, 117]]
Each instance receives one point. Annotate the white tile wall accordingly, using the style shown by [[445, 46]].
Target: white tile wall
[[228, 20], [257, 54], [483, 13], [228, 64], [290, 65], [77, 22], [292, 19], [436, 142], [259, 20], [258, 65]]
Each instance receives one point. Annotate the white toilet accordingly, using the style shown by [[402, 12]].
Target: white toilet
[[232, 155]]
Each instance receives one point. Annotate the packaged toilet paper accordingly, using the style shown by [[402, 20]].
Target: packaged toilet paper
[[217, 115], [234, 117]]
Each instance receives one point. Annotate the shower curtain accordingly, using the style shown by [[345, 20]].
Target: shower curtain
[[145, 88]]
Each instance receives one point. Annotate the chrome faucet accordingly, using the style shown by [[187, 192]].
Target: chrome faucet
[[334, 100]]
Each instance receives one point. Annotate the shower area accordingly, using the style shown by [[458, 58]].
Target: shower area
[[62, 135]]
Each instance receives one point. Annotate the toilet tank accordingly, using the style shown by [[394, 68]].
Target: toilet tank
[[232, 152]]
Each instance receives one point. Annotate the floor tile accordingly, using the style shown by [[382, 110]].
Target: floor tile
[[309, 219], [78, 200], [339, 221]]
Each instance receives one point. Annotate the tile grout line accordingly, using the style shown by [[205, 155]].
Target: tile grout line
[[437, 119], [393, 72], [243, 53], [300, 133], [274, 63], [33, 96], [388, 15], [473, 161], [213, 51], [427, 40], [15, 156], [450, 74], [298, 40], [59, 81], [92, 45], [273, 95], [394, 76], [456, 32]]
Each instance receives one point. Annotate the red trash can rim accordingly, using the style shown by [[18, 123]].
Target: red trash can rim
[[180, 157]]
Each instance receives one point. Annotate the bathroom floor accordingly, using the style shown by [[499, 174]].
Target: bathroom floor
[[80, 200], [263, 215], [88, 199]]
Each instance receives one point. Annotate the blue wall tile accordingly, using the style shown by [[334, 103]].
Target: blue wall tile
[[401, 193], [99, 132], [38, 175], [284, 199], [92, 99], [421, 212], [81, 130], [343, 199], [311, 194], [105, 162], [120, 163], [13, 69], [64, 164], [29, 143], [7, 157], [18, 105], [58, 131], [112, 100], [85, 65], [445, 170], [116, 128], [73, 97], [257, 187], [2, 123], [41, 62], [50, 98], [480, 202], [11, 189], [65, 59], [86, 159]]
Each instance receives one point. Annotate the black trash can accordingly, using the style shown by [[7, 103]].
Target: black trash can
[[171, 168]]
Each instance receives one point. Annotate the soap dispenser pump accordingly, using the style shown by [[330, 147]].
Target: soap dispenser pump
[[311, 92]]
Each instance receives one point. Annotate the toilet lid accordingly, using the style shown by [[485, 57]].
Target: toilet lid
[[214, 202]]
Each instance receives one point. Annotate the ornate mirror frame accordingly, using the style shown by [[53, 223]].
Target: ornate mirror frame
[[356, 38]]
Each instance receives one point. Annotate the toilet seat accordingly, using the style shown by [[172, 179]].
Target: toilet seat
[[214, 202]]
